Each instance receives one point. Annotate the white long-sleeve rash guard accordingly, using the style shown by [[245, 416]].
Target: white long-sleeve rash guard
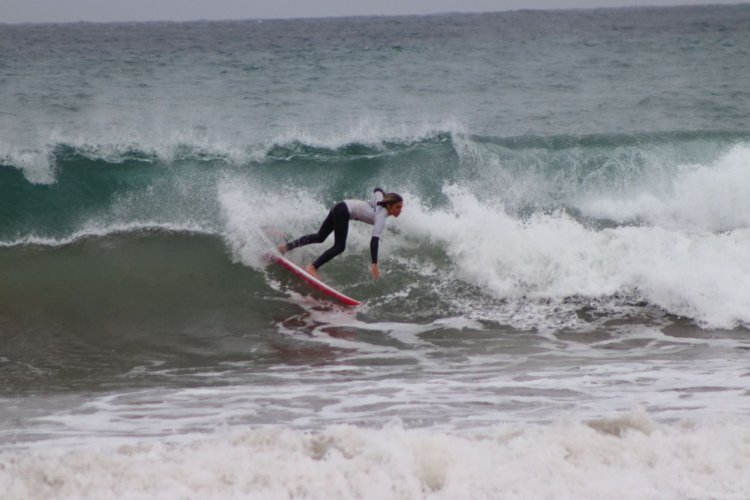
[[371, 213]]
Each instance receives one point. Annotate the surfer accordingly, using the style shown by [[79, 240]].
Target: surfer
[[372, 212]]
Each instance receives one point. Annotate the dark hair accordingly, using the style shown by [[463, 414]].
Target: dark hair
[[390, 199]]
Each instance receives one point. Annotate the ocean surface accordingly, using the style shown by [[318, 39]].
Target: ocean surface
[[564, 310]]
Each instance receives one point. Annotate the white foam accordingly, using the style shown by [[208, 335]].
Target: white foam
[[35, 164], [699, 198], [247, 209], [627, 456], [98, 230], [703, 276], [171, 137]]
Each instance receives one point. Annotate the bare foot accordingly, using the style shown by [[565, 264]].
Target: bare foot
[[311, 270], [282, 248]]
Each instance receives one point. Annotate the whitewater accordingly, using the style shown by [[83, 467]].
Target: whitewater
[[565, 302]]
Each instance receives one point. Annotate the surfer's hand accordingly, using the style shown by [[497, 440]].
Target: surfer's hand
[[374, 271]]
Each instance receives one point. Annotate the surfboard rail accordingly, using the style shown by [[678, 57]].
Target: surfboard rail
[[312, 280]]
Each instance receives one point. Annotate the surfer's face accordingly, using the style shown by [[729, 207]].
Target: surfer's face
[[394, 209]]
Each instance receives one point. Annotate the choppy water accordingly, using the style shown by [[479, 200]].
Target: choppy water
[[565, 304]]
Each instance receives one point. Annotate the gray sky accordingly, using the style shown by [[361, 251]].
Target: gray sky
[[15, 11]]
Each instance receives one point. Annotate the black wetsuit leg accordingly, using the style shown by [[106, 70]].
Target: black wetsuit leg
[[337, 222]]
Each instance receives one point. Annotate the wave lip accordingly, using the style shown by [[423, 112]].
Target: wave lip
[[40, 160]]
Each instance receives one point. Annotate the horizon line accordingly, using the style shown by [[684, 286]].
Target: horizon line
[[355, 16]]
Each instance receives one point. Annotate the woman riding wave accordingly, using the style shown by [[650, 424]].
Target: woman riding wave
[[374, 212]]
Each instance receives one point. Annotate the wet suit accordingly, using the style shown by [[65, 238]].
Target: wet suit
[[337, 222]]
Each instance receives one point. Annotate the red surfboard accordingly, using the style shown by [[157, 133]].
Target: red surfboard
[[312, 280]]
